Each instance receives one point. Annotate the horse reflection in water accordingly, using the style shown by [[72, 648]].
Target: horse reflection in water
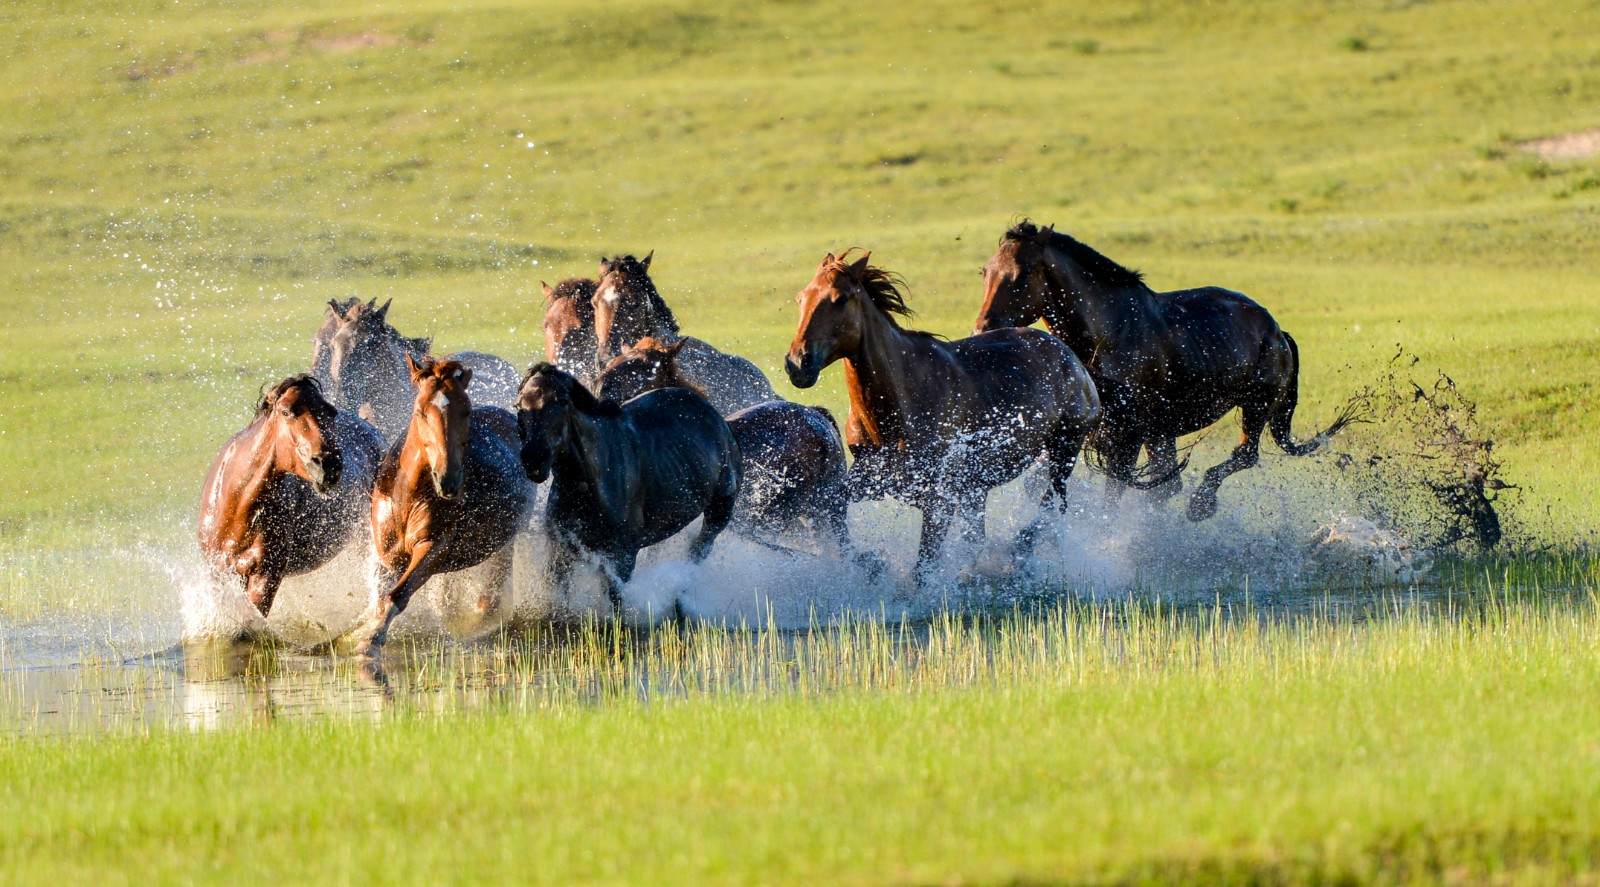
[[289, 492], [449, 495]]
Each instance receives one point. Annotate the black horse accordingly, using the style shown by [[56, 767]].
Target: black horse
[[1166, 364], [624, 477]]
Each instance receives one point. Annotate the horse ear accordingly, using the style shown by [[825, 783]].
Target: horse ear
[[860, 265], [645, 262], [548, 292], [336, 308], [827, 260], [675, 347], [464, 377], [416, 371], [384, 311]]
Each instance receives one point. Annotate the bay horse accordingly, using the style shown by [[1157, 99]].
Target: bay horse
[[1166, 364], [624, 477], [938, 424], [289, 491], [569, 326], [361, 360], [449, 495], [628, 307], [791, 455]]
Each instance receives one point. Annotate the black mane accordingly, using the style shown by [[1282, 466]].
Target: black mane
[[1097, 266], [268, 396]]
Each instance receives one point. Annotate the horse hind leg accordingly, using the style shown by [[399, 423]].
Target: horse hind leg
[[1164, 463], [1203, 504], [1061, 457], [717, 515]]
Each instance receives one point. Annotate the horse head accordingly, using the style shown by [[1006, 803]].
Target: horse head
[[628, 307], [1013, 290], [441, 420], [300, 423], [569, 340], [354, 344], [833, 310], [648, 365], [547, 405]]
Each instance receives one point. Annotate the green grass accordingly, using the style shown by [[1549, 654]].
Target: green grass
[[1084, 743], [187, 184]]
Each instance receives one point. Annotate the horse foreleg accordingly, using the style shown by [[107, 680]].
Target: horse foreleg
[[261, 586], [622, 564], [1061, 455], [1121, 454], [971, 504], [936, 519], [392, 603], [719, 511], [1203, 503]]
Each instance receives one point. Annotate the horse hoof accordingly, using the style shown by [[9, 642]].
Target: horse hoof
[[1202, 507]]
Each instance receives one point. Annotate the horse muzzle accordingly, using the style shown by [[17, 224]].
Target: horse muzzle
[[323, 473], [448, 484], [803, 372]]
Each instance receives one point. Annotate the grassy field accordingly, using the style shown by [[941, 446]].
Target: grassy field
[[1080, 744], [185, 184]]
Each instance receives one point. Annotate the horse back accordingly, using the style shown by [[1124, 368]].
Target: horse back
[[684, 454], [1026, 370], [729, 381], [1214, 335]]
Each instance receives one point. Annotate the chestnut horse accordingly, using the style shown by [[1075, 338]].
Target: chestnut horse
[[449, 495], [1166, 364], [569, 326], [628, 307], [624, 477], [791, 455], [288, 492], [938, 424], [361, 360]]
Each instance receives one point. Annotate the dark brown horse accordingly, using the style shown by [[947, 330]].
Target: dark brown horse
[[361, 360], [288, 492], [628, 307], [1166, 364], [938, 424], [792, 455], [569, 326], [624, 477], [449, 495]]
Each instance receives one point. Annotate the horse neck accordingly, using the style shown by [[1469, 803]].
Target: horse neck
[[245, 487], [587, 459], [875, 373], [411, 467], [1086, 313]]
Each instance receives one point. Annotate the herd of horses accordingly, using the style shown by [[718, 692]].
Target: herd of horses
[[641, 430]]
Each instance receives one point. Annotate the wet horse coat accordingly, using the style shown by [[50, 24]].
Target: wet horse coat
[[625, 477], [449, 495], [1166, 364], [792, 455], [628, 308], [289, 491], [938, 424], [361, 360]]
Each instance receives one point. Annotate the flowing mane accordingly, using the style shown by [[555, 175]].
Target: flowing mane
[[635, 270], [269, 396], [1097, 266], [885, 288]]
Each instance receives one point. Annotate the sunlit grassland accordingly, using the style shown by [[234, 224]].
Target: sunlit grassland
[[185, 185], [1448, 740]]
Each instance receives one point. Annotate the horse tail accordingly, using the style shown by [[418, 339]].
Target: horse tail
[[1282, 421]]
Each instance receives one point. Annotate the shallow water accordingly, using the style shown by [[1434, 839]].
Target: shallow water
[[164, 660]]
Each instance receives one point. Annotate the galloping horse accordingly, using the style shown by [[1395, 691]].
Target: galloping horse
[[628, 307], [449, 494], [791, 454], [1166, 364], [628, 476], [288, 492], [938, 424], [569, 326], [361, 359]]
